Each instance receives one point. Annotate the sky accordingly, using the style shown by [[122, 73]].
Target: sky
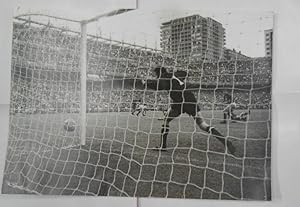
[[244, 30]]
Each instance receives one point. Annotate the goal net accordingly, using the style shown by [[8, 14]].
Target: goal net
[[45, 92], [119, 156]]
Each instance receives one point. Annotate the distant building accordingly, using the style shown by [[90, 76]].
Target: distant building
[[193, 37], [232, 54], [268, 42]]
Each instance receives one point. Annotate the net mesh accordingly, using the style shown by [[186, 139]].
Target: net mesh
[[118, 158]]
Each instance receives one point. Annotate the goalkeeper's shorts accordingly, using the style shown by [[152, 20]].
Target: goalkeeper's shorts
[[189, 108]]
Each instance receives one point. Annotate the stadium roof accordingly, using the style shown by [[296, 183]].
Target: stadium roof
[[72, 9]]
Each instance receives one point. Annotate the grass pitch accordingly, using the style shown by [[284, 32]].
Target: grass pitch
[[118, 158]]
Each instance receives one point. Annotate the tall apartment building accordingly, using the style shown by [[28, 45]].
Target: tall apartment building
[[193, 36], [268, 42]]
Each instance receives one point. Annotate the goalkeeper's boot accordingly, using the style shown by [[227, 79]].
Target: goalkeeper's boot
[[230, 147], [221, 138]]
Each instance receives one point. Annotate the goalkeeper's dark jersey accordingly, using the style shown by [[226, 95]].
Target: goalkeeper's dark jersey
[[178, 91]]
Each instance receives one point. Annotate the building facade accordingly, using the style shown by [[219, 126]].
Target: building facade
[[232, 54], [268, 42], [193, 37]]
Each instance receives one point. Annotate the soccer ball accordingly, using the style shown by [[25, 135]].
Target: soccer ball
[[69, 125]]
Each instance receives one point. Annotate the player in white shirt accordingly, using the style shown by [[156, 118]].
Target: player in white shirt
[[229, 114]]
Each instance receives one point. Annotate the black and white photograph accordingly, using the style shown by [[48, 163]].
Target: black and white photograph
[[133, 102]]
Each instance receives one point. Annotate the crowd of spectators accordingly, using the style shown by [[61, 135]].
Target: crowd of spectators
[[257, 71], [50, 82], [40, 96], [59, 50]]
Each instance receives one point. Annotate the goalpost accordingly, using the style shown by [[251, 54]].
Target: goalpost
[[112, 150], [83, 64]]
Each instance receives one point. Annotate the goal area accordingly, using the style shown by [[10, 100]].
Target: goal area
[[118, 156]]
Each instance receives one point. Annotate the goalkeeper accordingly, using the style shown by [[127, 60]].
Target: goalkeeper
[[183, 101]]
